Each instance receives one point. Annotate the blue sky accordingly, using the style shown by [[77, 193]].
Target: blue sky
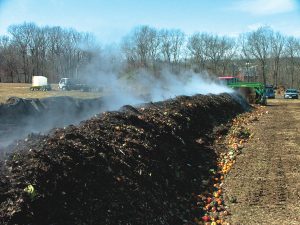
[[110, 20]]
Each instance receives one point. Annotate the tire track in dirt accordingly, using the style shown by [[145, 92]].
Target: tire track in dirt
[[266, 177]]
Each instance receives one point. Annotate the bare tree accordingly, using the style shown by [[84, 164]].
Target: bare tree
[[146, 44], [9, 59], [50, 51], [213, 51], [166, 45], [228, 50], [129, 50], [56, 52], [197, 47], [277, 45], [292, 53], [172, 42], [21, 38], [258, 46], [141, 47], [37, 50], [55, 37]]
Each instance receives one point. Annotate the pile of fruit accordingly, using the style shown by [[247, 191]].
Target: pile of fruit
[[214, 209]]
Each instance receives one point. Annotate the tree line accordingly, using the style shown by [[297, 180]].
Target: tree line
[[53, 52], [262, 55]]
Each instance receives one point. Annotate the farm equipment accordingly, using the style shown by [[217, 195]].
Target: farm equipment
[[40, 83], [254, 92], [68, 84]]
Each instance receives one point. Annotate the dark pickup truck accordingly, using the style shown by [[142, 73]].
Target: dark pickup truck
[[68, 84], [269, 91]]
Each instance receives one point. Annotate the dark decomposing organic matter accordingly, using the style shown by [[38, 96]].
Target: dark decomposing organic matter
[[138, 165]]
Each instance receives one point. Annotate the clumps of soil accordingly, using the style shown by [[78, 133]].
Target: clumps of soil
[[138, 165]]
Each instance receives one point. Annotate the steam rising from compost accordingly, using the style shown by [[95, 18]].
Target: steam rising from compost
[[146, 87], [138, 86], [23, 117]]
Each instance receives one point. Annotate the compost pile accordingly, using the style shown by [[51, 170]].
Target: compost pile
[[138, 165]]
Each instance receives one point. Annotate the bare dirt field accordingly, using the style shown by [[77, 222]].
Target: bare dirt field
[[265, 181], [21, 90]]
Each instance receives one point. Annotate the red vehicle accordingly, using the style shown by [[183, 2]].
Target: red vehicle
[[229, 79]]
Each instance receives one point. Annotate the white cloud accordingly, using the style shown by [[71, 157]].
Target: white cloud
[[265, 7], [255, 26], [286, 28]]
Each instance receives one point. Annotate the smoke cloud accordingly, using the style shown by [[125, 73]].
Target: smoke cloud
[[105, 73], [146, 87]]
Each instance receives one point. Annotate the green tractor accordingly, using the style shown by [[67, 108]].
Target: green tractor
[[254, 92]]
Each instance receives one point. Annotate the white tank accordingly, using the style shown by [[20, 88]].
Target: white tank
[[39, 81]]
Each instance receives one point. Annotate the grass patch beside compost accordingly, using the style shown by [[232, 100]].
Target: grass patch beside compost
[[21, 90]]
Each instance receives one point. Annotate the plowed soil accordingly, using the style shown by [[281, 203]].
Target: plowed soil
[[266, 178]]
